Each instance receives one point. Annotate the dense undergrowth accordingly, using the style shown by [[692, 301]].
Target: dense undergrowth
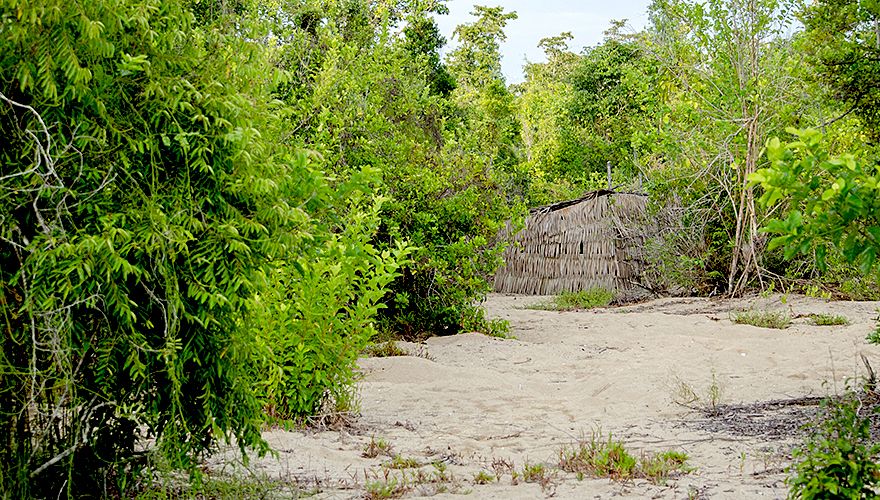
[[209, 208]]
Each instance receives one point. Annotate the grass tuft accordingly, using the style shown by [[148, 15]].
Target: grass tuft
[[571, 301], [390, 488], [385, 349], [829, 319], [763, 319], [399, 462], [483, 477], [874, 337], [376, 447], [598, 457]]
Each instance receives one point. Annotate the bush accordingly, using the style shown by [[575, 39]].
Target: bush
[[317, 316], [147, 210], [839, 458]]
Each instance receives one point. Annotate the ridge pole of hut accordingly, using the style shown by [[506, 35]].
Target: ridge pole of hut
[[608, 166]]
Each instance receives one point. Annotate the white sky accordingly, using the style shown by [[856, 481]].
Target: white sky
[[586, 19]]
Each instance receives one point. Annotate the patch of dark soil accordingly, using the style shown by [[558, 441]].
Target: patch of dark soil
[[779, 419], [770, 420]]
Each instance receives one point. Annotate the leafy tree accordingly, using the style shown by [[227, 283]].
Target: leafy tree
[[489, 127], [377, 106], [833, 201], [554, 159], [725, 66], [423, 39], [844, 45], [150, 210], [614, 95], [476, 62]]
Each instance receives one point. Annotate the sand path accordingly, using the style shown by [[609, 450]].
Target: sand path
[[476, 403]]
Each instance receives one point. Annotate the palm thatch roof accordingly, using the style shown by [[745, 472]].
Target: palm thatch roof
[[576, 245]]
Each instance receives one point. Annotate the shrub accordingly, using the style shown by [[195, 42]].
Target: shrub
[[839, 458], [317, 316], [152, 226], [142, 196]]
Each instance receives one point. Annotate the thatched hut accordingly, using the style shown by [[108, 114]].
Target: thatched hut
[[576, 245]]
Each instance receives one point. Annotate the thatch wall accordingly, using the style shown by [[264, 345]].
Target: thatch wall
[[576, 245]]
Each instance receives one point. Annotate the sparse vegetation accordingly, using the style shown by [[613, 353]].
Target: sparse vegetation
[[684, 394], [822, 319], [874, 336], [382, 489], [571, 301], [657, 468], [598, 457], [399, 462], [376, 447], [166, 486], [385, 349], [483, 477], [763, 319]]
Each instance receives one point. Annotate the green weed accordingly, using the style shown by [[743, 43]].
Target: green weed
[[483, 477], [763, 319], [658, 468], [388, 488], [874, 337], [829, 319], [598, 457], [399, 462], [376, 447]]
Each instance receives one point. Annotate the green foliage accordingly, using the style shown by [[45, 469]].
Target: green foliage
[[476, 62], [141, 197], [763, 319], [317, 316], [613, 95], [169, 266], [833, 202], [657, 468], [839, 458], [874, 336], [483, 477], [726, 80], [390, 488], [378, 105], [398, 462], [843, 47]]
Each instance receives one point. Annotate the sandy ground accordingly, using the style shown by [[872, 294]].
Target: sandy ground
[[476, 403]]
